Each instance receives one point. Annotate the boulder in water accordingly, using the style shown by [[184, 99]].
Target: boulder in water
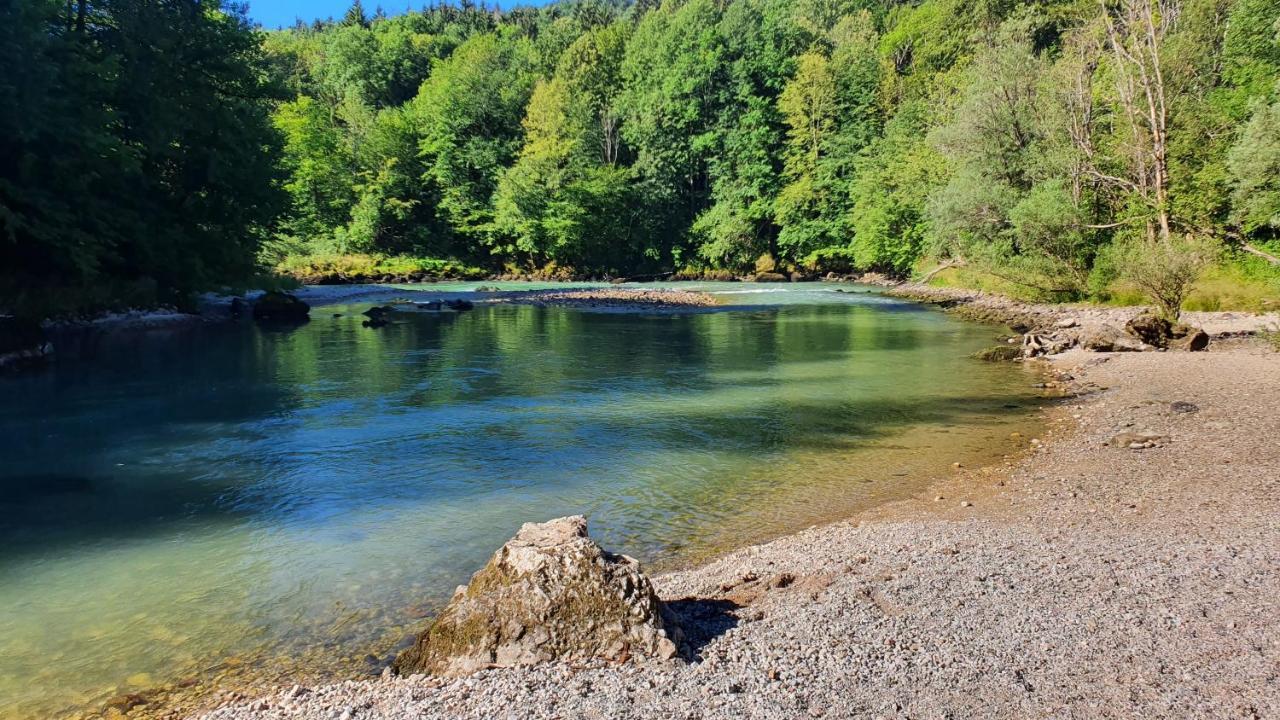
[[1000, 353], [22, 342], [281, 307], [549, 593]]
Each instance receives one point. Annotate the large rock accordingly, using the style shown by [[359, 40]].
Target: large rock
[[22, 342], [280, 307], [1185, 337], [550, 593], [1108, 339], [1150, 329]]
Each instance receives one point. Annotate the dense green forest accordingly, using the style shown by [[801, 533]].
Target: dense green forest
[[156, 147]]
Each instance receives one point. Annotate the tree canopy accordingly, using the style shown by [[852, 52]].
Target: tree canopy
[[169, 146]]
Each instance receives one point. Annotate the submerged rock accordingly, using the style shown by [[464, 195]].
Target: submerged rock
[[281, 307], [22, 342], [999, 353], [549, 593]]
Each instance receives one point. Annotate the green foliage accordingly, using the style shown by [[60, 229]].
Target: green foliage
[[1254, 166], [356, 267], [137, 158], [1165, 272], [895, 176], [163, 149]]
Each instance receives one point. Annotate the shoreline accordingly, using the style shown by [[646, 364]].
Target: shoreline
[[1045, 317], [1077, 577]]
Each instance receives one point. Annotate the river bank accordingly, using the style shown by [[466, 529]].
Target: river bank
[[1024, 317], [1082, 580]]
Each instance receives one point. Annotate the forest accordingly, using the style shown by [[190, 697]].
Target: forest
[[151, 149]]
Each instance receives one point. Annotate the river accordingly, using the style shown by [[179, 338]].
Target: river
[[178, 503]]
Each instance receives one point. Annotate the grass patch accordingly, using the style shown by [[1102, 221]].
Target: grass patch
[[1249, 284], [967, 278], [1238, 283], [353, 268]]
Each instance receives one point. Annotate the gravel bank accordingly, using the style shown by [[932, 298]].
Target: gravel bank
[[611, 298], [1081, 581]]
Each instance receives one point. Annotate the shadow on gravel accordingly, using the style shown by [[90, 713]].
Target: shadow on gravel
[[702, 620]]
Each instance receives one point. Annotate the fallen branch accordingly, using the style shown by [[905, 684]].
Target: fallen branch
[[1261, 253], [956, 262]]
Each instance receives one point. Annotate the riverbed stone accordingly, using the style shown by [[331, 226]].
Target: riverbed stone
[[999, 353], [550, 593]]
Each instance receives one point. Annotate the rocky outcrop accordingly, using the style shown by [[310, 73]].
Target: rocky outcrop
[[280, 307], [550, 593], [22, 342]]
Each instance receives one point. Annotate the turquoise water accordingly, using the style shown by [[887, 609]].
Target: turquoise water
[[175, 503]]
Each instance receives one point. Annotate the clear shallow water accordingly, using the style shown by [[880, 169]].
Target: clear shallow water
[[182, 502]]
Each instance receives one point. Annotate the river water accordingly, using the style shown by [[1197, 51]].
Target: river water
[[175, 504]]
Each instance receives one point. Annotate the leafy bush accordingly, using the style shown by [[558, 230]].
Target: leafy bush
[[372, 268], [1165, 271], [842, 260]]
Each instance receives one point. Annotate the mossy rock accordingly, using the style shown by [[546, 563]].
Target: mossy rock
[[1000, 353], [550, 593]]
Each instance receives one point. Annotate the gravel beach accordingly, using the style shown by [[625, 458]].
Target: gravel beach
[[1078, 580], [610, 298]]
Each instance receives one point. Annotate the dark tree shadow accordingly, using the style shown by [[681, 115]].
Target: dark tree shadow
[[702, 620]]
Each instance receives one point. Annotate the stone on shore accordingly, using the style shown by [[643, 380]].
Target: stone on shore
[[280, 307], [550, 593], [1108, 339], [1188, 338], [1150, 329]]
